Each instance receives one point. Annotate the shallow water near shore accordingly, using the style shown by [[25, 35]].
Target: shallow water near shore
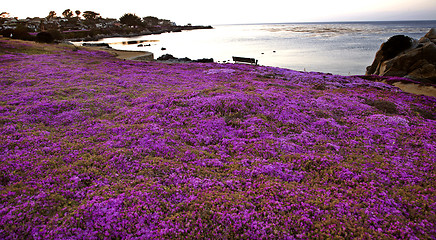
[[338, 48]]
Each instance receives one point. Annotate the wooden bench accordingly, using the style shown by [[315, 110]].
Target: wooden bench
[[245, 60]]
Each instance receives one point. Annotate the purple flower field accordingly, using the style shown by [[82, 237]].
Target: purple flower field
[[93, 147]]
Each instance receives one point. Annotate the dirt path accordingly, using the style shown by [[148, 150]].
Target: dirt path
[[126, 55], [416, 89]]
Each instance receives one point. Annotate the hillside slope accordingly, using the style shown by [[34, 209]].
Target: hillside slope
[[96, 147]]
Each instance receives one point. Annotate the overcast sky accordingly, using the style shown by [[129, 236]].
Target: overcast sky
[[206, 12]]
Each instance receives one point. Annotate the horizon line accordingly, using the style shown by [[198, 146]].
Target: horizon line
[[333, 21]]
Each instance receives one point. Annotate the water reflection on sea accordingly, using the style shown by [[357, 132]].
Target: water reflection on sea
[[339, 48]]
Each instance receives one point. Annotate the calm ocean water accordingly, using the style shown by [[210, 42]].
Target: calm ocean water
[[338, 48]]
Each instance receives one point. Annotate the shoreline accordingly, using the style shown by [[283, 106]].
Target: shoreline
[[124, 54], [409, 87]]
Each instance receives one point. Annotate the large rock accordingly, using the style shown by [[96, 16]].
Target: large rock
[[402, 56], [430, 36]]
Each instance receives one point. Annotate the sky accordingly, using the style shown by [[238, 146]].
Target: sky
[[201, 12]]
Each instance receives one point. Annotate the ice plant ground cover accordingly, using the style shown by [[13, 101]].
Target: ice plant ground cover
[[93, 147]]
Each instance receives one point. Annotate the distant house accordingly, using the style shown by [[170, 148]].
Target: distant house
[[33, 23], [10, 23]]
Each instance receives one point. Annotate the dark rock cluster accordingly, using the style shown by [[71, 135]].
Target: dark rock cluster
[[402, 56], [171, 58]]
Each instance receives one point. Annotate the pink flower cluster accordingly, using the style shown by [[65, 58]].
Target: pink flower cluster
[[92, 147]]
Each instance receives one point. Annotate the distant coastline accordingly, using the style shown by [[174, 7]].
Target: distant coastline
[[136, 34], [89, 26]]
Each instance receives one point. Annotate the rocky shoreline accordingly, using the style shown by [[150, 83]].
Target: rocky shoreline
[[406, 63], [402, 56], [171, 59]]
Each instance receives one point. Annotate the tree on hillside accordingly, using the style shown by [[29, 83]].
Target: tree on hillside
[[5, 15], [90, 15], [78, 13], [130, 20], [150, 21], [51, 15], [166, 23], [67, 14]]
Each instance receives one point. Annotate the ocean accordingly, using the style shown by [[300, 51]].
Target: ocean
[[344, 48]]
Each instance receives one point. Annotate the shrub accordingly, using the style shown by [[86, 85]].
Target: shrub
[[22, 34], [56, 34], [424, 113], [384, 106], [7, 32], [44, 37]]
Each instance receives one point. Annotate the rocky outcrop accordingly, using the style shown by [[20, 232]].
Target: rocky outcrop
[[106, 45], [170, 58], [402, 56]]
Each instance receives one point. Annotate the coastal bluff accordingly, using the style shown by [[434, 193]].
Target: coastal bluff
[[402, 56]]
